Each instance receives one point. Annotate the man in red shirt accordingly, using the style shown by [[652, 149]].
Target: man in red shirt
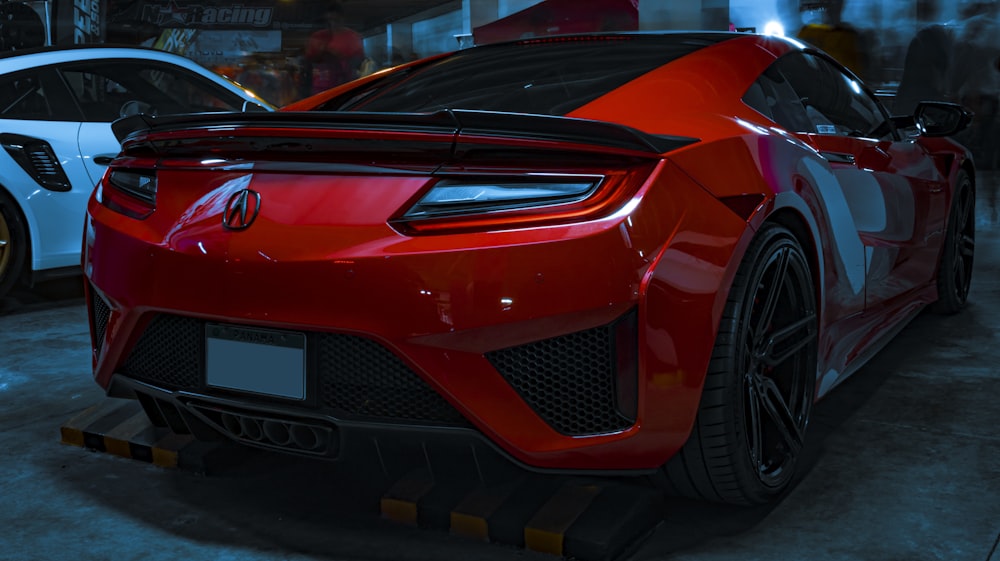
[[335, 53]]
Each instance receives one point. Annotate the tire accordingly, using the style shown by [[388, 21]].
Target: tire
[[759, 388], [13, 244], [955, 268]]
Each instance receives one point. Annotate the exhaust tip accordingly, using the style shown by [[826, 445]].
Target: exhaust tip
[[277, 433], [307, 438], [232, 425], [251, 428]]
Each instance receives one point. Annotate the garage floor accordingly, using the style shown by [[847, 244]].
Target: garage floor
[[903, 463]]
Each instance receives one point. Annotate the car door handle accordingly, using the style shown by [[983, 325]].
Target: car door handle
[[102, 160]]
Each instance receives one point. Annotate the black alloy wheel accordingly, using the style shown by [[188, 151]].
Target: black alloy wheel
[[759, 389], [778, 350], [955, 268]]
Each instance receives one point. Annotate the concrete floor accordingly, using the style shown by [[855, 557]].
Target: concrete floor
[[902, 463]]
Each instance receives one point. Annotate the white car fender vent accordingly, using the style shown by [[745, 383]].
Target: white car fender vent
[[37, 159]]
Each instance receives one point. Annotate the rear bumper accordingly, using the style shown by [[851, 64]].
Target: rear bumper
[[446, 308], [438, 314], [563, 385]]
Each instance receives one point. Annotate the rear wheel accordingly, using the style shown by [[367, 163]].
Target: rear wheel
[[759, 389], [955, 268], [13, 244]]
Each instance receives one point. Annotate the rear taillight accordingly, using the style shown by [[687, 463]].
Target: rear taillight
[[454, 197], [37, 159], [129, 191], [460, 203], [139, 184]]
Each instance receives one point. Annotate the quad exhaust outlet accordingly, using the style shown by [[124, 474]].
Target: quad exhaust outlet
[[303, 436]]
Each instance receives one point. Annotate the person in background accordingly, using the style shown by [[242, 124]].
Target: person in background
[[925, 69], [959, 61], [334, 53], [257, 75], [974, 77], [825, 29]]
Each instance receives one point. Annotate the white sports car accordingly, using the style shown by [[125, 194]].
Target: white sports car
[[56, 109]]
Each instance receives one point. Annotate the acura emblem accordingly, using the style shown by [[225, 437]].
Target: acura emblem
[[241, 210]]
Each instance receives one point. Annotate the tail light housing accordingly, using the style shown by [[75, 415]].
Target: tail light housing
[[465, 202], [131, 192], [457, 197]]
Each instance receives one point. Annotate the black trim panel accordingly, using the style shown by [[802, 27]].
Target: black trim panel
[[351, 433]]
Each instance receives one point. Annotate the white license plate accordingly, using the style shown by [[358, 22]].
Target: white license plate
[[260, 361]]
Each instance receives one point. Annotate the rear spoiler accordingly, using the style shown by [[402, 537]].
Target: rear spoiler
[[456, 122]]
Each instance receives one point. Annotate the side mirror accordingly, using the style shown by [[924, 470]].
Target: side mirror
[[940, 118]]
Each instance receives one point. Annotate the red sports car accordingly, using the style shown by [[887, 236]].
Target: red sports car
[[644, 254]]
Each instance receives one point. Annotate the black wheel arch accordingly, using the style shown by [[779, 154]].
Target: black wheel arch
[[791, 218], [970, 170], [27, 229]]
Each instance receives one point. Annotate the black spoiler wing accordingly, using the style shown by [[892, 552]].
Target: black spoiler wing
[[457, 122]]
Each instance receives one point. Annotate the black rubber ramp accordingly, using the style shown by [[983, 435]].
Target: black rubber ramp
[[120, 427], [586, 519], [589, 519]]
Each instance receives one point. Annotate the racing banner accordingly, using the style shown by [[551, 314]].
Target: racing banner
[[77, 22]]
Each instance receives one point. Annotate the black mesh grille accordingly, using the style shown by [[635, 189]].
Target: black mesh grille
[[169, 353], [101, 313], [358, 377], [364, 379], [569, 380]]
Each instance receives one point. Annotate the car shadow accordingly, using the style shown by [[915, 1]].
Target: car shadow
[[65, 291]]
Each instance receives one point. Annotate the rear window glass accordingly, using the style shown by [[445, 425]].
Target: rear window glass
[[544, 77], [103, 87], [23, 97]]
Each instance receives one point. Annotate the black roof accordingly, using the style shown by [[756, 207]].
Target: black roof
[[60, 48]]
